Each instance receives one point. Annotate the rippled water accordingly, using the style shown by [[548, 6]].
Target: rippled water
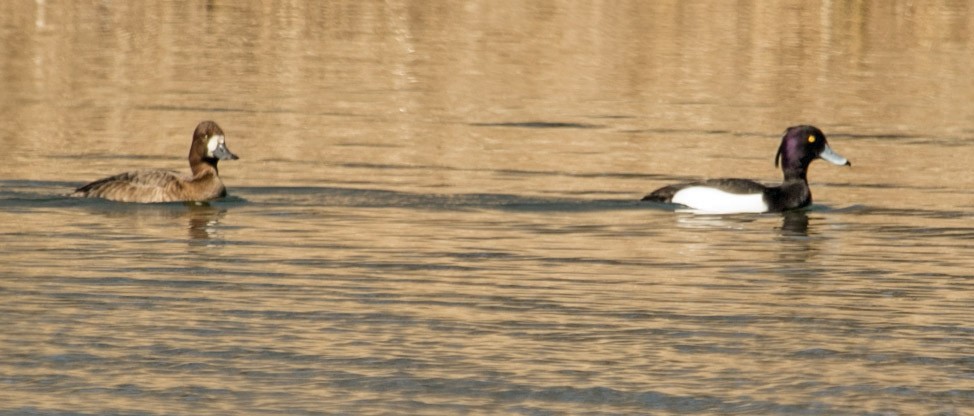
[[436, 209]]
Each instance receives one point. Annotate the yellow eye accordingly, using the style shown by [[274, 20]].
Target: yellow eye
[[811, 139]]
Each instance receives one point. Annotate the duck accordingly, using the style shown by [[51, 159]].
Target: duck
[[149, 186], [800, 145]]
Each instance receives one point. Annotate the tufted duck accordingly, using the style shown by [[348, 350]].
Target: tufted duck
[[799, 147]]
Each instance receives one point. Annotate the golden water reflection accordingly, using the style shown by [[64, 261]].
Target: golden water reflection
[[437, 213]]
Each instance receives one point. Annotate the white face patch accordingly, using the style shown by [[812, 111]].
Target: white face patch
[[213, 143], [704, 200]]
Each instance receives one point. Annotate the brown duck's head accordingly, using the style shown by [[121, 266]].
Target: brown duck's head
[[209, 144]]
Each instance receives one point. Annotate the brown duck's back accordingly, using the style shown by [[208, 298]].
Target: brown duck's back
[[147, 186]]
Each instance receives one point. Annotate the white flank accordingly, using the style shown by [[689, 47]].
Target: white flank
[[706, 200]]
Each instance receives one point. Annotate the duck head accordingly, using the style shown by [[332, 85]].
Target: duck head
[[209, 144], [800, 146]]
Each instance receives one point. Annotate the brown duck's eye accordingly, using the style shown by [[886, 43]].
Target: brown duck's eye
[[811, 139]]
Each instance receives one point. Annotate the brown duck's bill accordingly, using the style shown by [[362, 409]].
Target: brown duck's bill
[[221, 152]]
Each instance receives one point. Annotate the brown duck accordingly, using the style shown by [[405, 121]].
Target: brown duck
[[145, 186]]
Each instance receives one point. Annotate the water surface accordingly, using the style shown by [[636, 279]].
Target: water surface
[[436, 209]]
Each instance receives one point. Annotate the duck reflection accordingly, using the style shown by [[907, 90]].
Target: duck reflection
[[796, 248], [158, 219], [691, 219], [794, 223], [204, 221]]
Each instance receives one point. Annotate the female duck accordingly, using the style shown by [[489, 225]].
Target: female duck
[[208, 148], [799, 147]]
